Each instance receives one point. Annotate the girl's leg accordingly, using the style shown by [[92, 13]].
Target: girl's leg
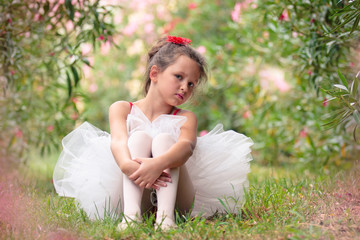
[[139, 144], [166, 196]]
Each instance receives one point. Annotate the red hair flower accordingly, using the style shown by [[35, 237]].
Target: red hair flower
[[178, 40]]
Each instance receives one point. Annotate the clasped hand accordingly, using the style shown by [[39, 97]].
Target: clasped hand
[[149, 174]]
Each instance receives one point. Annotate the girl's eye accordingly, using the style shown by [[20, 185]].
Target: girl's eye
[[191, 84], [178, 76]]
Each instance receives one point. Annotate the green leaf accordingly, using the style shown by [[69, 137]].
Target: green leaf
[[356, 23], [342, 78], [341, 87], [70, 8], [356, 115], [354, 87], [68, 80], [75, 74]]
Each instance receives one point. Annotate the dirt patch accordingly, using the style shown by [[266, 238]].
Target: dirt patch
[[21, 216], [338, 209]]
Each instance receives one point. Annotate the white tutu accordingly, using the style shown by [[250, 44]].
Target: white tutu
[[87, 171]]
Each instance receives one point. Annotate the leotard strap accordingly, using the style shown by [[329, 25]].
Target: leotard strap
[[131, 105], [176, 111]]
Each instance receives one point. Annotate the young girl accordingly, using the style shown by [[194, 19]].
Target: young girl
[[152, 156]]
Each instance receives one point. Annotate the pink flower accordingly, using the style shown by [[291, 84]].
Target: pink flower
[[312, 20], [50, 128], [192, 6], [130, 29], [12, 72], [86, 48], [325, 102], [75, 100], [351, 64], [203, 133], [9, 20], [309, 72], [18, 133], [303, 133], [246, 114], [284, 16], [105, 47], [201, 50], [74, 116], [101, 37], [149, 28], [235, 14], [93, 88]]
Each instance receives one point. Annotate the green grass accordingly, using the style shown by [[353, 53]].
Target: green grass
[[281, 203]]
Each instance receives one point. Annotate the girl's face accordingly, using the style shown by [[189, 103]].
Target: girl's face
[[177, 82]]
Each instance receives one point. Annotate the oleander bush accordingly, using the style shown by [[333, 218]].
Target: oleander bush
[[272, 66]]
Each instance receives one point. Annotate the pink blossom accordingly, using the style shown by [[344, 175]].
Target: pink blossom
[[50, 128], [309, 72], [351, 64], [325, 102], [101, 37], [118, 19], [294, 34], [75, 100], [235, 14], [284, 16], [9, 20], [203, 133], [38, 17], [69, 26], [192, 5], [130, 29], [312, 20], [105, 47], [149, 28], [77, 14], [93, 87], [273, 78], [246, 114], [18, 133], [74, 116], [201, 50], [12, 72], [86, 48], [303, 133]]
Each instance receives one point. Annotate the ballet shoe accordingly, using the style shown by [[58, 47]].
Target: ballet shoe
[[128, 223], [165, 225]]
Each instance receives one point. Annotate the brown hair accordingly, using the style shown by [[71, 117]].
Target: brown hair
[[164, 53]]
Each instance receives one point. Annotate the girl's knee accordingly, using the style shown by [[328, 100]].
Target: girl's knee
[[139, 137], [161, 143]]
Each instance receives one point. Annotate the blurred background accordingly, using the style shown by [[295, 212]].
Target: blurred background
[[281, 72]]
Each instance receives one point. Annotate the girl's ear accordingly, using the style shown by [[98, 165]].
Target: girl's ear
[[154, 71]]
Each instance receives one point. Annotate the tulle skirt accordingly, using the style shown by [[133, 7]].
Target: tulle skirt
[[86, 170]]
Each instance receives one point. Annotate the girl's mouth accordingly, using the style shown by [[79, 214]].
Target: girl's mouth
[[180, 96]]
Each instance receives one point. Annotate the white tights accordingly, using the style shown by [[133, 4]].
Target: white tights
[[143, 146]]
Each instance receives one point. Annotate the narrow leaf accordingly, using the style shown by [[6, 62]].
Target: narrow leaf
[[356, 115], [342, 78], [75, 74], [341, 87], [68, 80], [354, 87], [356, 24]]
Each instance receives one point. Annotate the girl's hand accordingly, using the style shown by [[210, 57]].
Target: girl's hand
[[149, 174]]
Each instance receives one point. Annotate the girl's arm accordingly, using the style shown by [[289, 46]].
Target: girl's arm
[[176, 156], [118, 112]]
